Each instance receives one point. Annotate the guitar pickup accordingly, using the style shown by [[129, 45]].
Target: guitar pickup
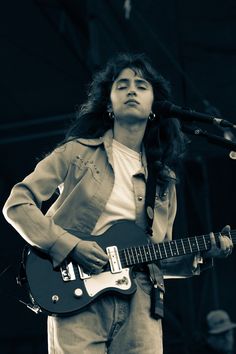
[[114, 259], [82, 274], [67, 271]]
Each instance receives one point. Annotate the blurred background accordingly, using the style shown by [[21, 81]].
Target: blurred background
[[50, 50]]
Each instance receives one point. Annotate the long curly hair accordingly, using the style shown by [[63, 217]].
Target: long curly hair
[[163, 139]]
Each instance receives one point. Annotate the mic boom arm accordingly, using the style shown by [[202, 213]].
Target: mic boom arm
[[170, 110], [211, 138]]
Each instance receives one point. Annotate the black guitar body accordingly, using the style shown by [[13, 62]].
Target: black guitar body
[[58, 297], [68, 290]]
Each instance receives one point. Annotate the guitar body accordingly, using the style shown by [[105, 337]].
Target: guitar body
[[67, 290], [57, 296]]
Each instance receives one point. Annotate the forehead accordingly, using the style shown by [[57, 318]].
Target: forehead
[[130, 74]]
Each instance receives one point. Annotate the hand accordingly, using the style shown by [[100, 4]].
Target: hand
[[90, 256], [226, 245]]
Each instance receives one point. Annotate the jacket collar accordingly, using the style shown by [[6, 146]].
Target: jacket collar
[[106, 138]]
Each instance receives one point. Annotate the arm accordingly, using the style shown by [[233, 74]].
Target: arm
[[22, 209]]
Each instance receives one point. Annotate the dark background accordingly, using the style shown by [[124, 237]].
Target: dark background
[[49, 52]]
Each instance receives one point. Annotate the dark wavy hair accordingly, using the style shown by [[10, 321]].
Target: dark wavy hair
[[163, 140]]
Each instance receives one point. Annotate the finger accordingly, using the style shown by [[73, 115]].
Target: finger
[[223, 242], [228, 245], [226, 230], [99, 262], [100, 254], [96, 268], [228, 241], [91, 268], [213, 240]]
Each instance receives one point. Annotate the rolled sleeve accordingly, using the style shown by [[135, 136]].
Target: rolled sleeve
[[62, 247]]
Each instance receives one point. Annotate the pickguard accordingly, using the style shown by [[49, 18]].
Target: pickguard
[[107, 280]]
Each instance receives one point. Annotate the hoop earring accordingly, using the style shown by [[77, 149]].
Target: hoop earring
[[111, 115], [152, 116]]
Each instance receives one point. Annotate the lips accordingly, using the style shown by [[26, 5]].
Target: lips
[[131, 101]]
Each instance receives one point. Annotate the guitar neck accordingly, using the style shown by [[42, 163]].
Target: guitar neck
[[156, 251]]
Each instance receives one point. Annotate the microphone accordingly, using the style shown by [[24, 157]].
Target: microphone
[[170, 110]]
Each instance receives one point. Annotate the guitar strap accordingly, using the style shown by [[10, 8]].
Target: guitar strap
[[150, 198], [157, 295]]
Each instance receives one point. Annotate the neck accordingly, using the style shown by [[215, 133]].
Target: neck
[[129, 135]]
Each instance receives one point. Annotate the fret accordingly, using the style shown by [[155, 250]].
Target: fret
[[176, 251], [184, 250], [204, 241], [197, 244], [137, 255], [190, 244], [159, 250], [145, 253], [126, 260], [163, 250], [152, 256], [154, 251], [140, 254], [168, 249], [187, 245], [179, 247], [133, 255], [130, 260], [194, 244], [149, 252], [208, 241]]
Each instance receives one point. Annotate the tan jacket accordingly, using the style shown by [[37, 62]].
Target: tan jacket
[[82, 170]]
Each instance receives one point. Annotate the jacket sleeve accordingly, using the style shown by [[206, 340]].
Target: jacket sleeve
[[181, 266], [22, 208]]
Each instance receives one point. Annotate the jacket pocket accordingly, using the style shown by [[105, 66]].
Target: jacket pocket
[[83, 166], [143, 281]]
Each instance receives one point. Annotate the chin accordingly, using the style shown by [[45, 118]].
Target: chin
[[133, 118]]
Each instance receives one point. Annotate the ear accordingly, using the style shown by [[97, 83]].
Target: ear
[[109, 108]]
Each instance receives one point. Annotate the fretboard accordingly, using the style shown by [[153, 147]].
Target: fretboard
[[153, 252]]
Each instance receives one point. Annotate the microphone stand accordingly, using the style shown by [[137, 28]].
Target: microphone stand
[[211, 138]]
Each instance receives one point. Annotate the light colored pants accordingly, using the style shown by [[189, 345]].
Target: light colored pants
[[111, 324]]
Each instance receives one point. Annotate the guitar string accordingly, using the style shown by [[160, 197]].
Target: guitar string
[[183, 246]]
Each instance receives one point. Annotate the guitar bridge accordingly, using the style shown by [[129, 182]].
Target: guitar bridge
[[114, 259], [67, 271]]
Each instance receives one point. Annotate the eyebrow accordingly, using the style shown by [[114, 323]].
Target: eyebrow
[[138, 81]]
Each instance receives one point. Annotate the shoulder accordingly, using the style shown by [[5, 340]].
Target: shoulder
[[76, 149], [77, 145]]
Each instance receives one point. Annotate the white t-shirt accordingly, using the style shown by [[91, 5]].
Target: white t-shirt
[[121, 204]]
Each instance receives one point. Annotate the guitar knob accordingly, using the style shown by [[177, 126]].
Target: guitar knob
[[55, 299], [78, 292]]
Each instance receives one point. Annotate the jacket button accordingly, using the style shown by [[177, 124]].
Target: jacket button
[[140, 198]]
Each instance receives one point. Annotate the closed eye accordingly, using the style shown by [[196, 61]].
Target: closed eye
[[122, 87]]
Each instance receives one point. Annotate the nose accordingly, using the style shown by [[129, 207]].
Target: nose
[[132, 92]]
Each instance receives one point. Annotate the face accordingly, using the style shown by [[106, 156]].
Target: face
[[131, 97]]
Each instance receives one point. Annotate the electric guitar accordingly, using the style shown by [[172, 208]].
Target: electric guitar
[[67, 290]]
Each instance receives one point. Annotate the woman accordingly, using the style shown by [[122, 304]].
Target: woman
[[101, 172]]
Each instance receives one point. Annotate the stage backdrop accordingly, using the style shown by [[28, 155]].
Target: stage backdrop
[[50, 51]]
